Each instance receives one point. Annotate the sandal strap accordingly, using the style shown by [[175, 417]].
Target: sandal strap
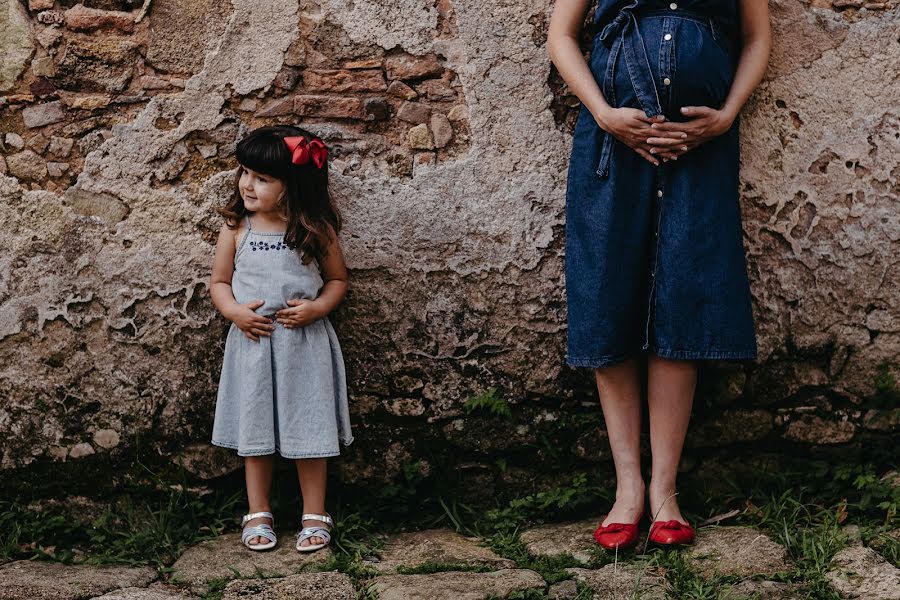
[[311, 517], [258, 531], [256, 515], [310, 532]]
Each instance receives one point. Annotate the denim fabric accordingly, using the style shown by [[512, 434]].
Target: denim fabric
[[654, 255]]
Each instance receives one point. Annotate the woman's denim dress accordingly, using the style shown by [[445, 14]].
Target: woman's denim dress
[[654, 255]]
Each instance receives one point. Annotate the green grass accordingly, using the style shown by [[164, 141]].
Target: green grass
[[145, 527]]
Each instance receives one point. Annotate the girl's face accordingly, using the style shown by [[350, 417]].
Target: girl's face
[[260, 192]]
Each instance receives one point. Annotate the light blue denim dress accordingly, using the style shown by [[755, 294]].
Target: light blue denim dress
[[286, 393]]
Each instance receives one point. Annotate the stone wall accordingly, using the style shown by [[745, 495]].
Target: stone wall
[[449, 136]]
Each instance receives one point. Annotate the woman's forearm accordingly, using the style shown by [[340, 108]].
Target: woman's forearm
[[750, 70], [566, 55], [562, 45]]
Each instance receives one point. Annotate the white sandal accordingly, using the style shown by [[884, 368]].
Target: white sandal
[[264, 531], [314, 531]]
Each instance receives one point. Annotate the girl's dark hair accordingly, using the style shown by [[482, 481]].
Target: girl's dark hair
[[311, 215]]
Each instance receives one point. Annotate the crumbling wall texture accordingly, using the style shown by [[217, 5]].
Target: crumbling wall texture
[[450, 138]]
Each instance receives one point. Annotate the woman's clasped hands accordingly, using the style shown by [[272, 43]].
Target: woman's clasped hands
[[655, 138]]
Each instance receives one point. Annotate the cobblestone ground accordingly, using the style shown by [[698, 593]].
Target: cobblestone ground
[[741, 563]]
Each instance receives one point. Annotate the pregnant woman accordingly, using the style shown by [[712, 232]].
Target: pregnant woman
[[654, 253]]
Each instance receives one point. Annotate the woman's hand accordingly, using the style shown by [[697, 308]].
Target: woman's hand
[[703, 124], [300, 314], [247, 320], [632, 127]]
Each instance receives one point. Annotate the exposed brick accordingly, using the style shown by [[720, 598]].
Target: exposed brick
[[38, 143], [401, 90], [442, 130], [407, 66], [43, 114], [60, 146], [277, 108], [372, 63], [40, 4], [329, 106], [56, 169], [436, 89], [344, 80], [414, 112], [87, 102], [43, 67], [420, 138], [82, 18]]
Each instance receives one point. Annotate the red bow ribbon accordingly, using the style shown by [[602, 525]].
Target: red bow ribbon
[[302, 151]]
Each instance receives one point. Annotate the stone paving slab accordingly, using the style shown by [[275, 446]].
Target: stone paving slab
[[456, 585], [764, 590], [222, 556], [738, 551], [29, 579], [157, 591], [574, 538], [441, 546], [620, 582], [860, 572], [326, 585]]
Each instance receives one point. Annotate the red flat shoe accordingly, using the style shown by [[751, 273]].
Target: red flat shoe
[[671, 533], [617, 535]]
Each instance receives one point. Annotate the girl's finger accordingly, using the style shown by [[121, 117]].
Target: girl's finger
[[251, 336]]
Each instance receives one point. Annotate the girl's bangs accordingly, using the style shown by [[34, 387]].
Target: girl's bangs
[[266, 154]]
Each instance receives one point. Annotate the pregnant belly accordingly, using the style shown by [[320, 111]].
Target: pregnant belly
[[689, 66]]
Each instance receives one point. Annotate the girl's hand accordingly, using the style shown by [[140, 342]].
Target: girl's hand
[[632, 127], [703, 124], [300, 314], [253, 325]]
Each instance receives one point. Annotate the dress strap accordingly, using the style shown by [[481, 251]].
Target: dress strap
[[248, 223]]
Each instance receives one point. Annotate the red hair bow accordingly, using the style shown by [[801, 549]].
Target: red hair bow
[[302, 151]]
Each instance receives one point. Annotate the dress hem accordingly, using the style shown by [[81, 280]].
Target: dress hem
[[612, 359], [291, 455]]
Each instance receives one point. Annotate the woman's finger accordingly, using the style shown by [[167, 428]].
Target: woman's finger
[[696, 111], [665, 141], [650, 158]]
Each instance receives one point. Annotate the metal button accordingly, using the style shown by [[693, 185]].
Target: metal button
[[673, 6], [659, 193], [667, 37], [667, 81]]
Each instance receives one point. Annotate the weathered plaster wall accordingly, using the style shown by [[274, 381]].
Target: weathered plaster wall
[[450, 138]]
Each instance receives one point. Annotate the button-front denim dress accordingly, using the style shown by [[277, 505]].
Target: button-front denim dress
[[654, 255]]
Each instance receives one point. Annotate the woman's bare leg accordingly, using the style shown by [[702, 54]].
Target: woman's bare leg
[[258, 475], [670, 391], [620, 397], [312, 474]]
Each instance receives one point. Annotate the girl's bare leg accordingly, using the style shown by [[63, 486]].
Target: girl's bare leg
[[620, 397], [258, 475], [312, 473], [671, 385]]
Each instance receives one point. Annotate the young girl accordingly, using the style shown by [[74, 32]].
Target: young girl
[[654, 257], [278, 273]]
